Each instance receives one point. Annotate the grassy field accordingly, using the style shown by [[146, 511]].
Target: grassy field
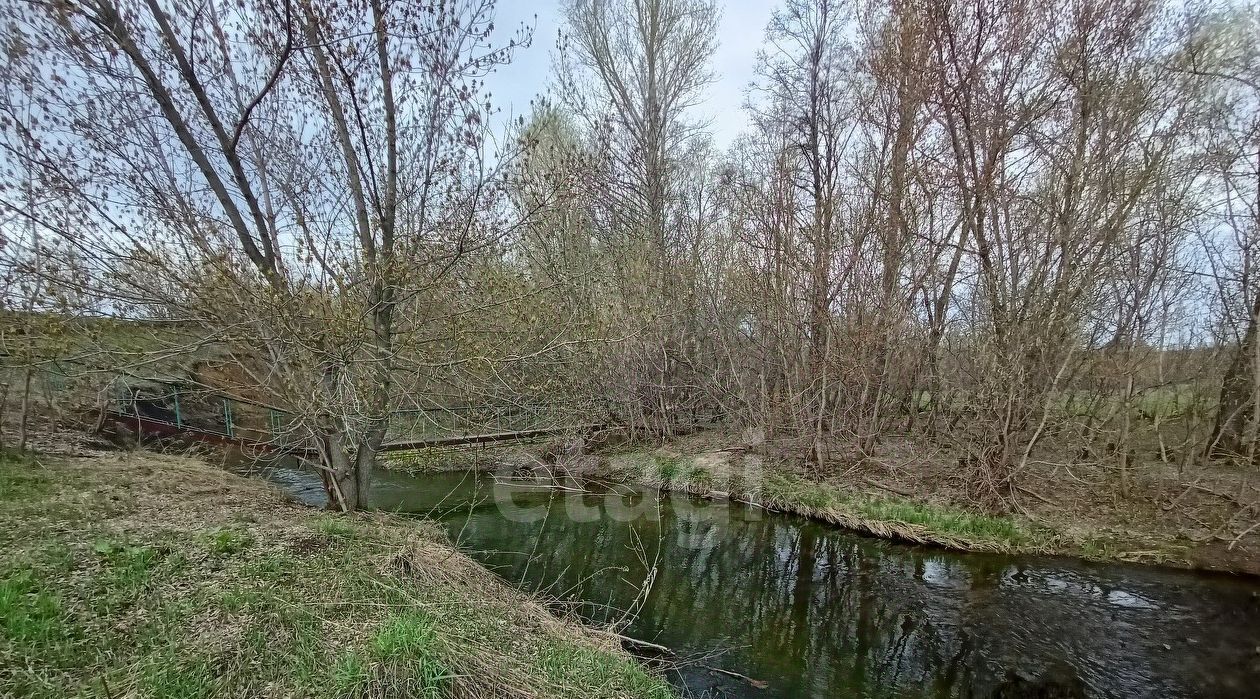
[[144, 576]]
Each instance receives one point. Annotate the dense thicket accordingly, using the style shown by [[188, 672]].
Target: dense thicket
[[1019, 231]]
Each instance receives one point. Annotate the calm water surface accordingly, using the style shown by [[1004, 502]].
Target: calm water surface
[[818, 612]]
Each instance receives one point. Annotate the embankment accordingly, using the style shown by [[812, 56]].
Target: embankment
[[142, 575]]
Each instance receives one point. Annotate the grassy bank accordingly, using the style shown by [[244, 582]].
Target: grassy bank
[[138, 575], [782, 489], [1172, 519]]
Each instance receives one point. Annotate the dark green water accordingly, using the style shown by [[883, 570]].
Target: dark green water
[[818, 612]]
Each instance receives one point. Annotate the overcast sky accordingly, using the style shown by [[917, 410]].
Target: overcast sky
[[740, 34]]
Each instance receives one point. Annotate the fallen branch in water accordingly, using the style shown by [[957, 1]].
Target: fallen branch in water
[[759, 684], [752, 503], [663, 650], [533, 483], [643, 645]]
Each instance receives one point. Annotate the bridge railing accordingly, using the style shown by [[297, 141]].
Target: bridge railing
[[466, 420], [194, 409], [198, 410]]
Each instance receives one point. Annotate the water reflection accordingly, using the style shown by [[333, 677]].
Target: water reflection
[[820, 613]]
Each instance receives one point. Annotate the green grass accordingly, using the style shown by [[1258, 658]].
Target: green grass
[[130, 570], [227, 542], [21, 478], [795, 493], [1098, 549], [408, 646], [780, 487], [175, 676], [785, 490], [334, 527], [406, 635], [30, 615], [699, 476], [568, 663], [1163, 402], [351, 673], [252, 603], [942, 520], [668, 468]]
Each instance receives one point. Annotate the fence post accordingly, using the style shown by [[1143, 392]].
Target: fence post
[[227, 416], [179, 418], [273, 425]]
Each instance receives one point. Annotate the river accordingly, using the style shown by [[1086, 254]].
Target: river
[[809, 610]]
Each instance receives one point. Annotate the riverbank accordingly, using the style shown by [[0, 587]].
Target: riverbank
[[132, 574], [1182, 520], [1199, 518]]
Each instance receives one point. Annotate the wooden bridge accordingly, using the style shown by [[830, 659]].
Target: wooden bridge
[[207, 416]]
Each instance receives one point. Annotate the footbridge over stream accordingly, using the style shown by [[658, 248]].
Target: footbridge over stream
[[199, 414]]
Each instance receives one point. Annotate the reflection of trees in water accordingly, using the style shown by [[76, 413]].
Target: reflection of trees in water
[[827, 614], [787, 599]]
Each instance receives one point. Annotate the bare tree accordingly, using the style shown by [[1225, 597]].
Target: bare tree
[[283, 179], [1218, 52], [632, 72]]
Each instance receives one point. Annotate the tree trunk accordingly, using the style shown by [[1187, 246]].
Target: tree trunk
[[25, 409], [348, 477], [4, 409], [1125, 429], [1236, 407], [340, 481]]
